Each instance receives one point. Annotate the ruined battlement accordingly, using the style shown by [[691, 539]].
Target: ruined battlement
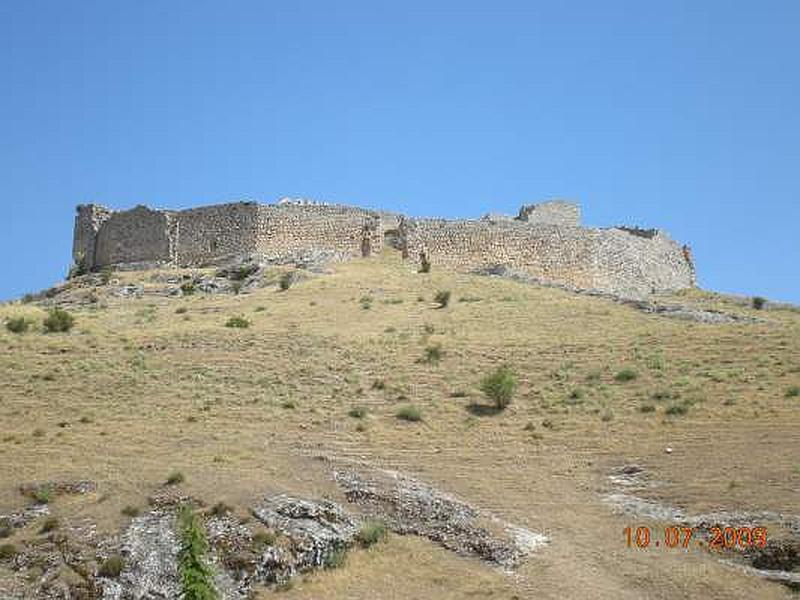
[[545, 240]]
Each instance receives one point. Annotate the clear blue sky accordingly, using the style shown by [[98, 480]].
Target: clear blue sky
[[682, 115]]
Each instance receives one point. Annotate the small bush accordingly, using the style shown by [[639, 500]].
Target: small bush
[[7, 551], [106, 273], [366, 302], [220, 509], [286, 281], [50, 524], [626, 375], [424, 263], [5, 529], [607, 416], [18, 324], [175, 478], [242, 272], [357, 412], [677, 409], [130, 511], [290, 404], [264, 538], [197, 578], [336, 559], [58, 321], [112, 566], [647, 408], [371, 533], [499, 386], [442, 298], [758, 302], [181, 310], [433, 354], [409, 413], [188, 288], [42, 495], [238, 322], [793, 391]]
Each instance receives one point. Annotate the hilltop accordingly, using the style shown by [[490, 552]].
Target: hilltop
[[233, 388]]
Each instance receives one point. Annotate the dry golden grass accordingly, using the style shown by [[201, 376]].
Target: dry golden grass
[[137, 391]]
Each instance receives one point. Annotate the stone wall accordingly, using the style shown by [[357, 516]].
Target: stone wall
[[554, 212], [545, 240], [608, 260], [221, 233]]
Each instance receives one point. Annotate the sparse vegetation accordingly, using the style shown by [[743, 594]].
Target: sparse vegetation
[[433, 354], [442, 298], [336, 559], [677, 409], [626, 375], [237, 322], [793, 391], [7, 551], [372, 532], [49, 524], [175, 478], [18, 324], [181, 310], [357, 412], [197, 578], [42, 495], [409, 413], [499, 386], [188, 288], [5, 529], [58, 321], [758, 302], [130, 511], [220, 509], [264, 538], [112, 566], [286, 280]]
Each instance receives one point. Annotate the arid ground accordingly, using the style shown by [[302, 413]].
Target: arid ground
[[143, 387]]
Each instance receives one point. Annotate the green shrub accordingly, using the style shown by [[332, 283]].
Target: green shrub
[[647, 408], [197, 578], [18, 324], [42, 495], [499, 386], [181, 310], [130, 511], [7, 551], [238, 322], [758, 302], [442, 298], [433, 354], [357, 412], [112, 566], [371, 533], [336, 559], [290, 404], [242, 272], [626, 375], [5, 529], [677, 409], [175, 478], [409, 413], [188, 288], [793, 391], [50, 524], [286, 281], [58, 320]]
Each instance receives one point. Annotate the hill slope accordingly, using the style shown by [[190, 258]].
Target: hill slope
[[698, 417]]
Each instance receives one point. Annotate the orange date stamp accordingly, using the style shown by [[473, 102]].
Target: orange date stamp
[[712, 538]]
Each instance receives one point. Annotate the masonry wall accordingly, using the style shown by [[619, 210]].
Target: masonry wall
[[341, 231], [139, 235], [554, 212], [217, 234], [609, 260]]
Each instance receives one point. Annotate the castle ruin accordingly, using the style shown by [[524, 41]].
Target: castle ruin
[[544, 240]]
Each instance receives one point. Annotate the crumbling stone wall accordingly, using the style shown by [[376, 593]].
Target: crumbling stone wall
[[554, 212], [221, 233], [609, 260]]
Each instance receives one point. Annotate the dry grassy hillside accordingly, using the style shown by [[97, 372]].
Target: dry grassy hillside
[[142, 388]]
